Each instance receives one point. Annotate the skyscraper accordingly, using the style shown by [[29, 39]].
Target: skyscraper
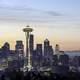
[[39, 54], [19, 47], [6, 49], [34, 59], [31, 45], [55, 60], [39, 49], [31, 42], [46, 42], [48, 50], [6, 46], [4, 53], [46, 45], [48, 53]]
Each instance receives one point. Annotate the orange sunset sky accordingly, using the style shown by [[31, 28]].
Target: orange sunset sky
[[57, 20]]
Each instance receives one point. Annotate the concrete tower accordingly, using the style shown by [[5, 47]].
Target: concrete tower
[[27, 31]]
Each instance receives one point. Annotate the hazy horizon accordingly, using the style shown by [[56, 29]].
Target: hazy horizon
[[57, 20]]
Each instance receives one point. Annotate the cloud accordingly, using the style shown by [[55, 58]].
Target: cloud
[[53, 13], [11, 5], [26, 13], [22, 5]]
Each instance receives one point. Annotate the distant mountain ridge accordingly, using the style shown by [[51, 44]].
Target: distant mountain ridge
[[73, 53]]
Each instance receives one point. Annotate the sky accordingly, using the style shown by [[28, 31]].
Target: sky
[[57, 20]]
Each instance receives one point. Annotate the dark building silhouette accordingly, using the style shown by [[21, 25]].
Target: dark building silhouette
[[31, 46], [31, 42], [48, 53], [76, 62], [39, 54], [34, 59], [61, 63], [19, 48], [60, 70], [64, 60], [6, 46], [46, 42], [4, 53], [46, 46], [39, 49], [55, 60], [5, 49], [14, 64]]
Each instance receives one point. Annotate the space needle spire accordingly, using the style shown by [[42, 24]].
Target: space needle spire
[[27, 31]]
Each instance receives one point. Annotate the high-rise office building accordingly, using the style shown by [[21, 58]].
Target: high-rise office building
[[34, 59], [39, 49], [31, 43], [46, 42], [19, 48], [48, 53], [46, 46], [31, 46], [5, 49], [55, 60], [7, 45], [4, 53], [48, 50], [39, 53]]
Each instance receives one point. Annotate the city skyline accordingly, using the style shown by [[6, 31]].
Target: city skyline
[[58, 21]]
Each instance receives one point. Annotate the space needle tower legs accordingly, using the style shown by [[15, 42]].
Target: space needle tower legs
[[27, 31]]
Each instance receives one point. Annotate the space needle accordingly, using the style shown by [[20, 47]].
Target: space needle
[[27, 31]]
